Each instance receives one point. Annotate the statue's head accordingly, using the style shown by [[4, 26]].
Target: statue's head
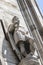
[[15, 21]]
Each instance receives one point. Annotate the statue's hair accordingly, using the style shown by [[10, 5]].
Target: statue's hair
[[15, 18]]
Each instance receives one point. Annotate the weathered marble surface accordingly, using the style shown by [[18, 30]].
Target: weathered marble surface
[[8, 9], [7, 56]]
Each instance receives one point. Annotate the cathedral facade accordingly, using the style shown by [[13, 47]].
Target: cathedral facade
[[31, 19]]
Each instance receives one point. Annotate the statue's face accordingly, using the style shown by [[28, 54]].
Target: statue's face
[[15, 21], [16, 24]]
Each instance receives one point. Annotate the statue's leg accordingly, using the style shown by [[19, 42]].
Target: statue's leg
[[32, 47], [22, 49], [27, 47]]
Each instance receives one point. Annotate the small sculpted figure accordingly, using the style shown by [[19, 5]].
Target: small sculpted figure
[[22, 37]]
